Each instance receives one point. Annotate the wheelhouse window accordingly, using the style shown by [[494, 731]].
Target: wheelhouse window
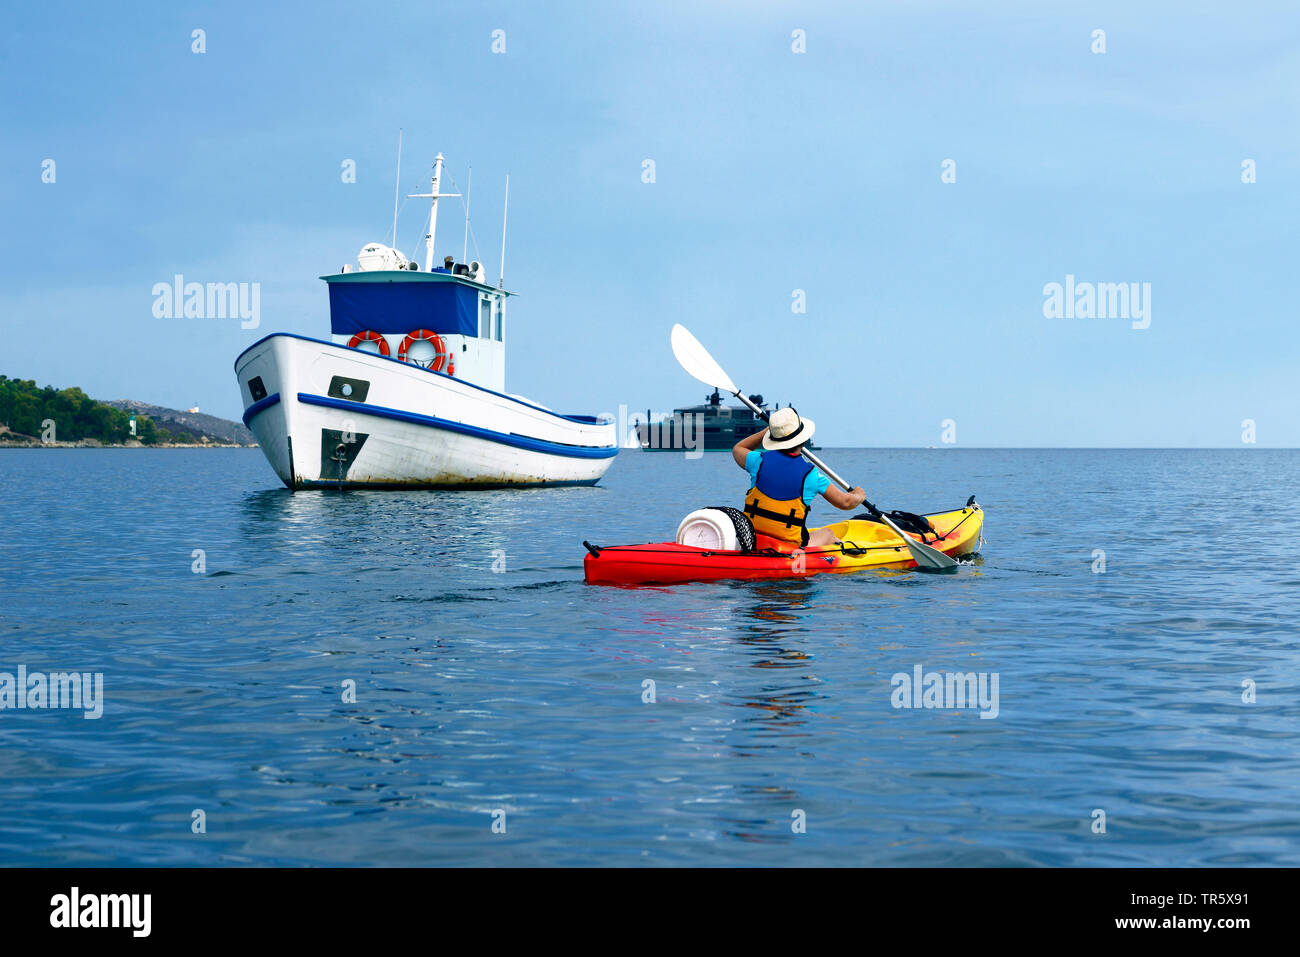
[[499, 311], [485, 317]]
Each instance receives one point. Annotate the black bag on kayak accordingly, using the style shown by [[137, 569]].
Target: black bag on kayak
[[744, 527], [907, 521]]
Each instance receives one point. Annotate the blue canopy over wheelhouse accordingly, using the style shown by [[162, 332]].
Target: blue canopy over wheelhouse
[[397, 302]]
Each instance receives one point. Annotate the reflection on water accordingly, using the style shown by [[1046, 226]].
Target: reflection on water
[[777, 638], [780, 600], [432, 527]]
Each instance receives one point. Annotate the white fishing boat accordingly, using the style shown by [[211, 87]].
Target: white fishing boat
[[409, 390]]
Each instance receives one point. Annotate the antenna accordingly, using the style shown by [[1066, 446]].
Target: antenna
[[434, 195], [469, 189], [505, 211], [397, 185]]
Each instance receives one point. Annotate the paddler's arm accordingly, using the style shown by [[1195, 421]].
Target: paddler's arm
[[842, 499], [745, 446]]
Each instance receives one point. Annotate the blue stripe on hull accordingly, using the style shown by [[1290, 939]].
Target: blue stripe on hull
[[447, 425], [259, 406]]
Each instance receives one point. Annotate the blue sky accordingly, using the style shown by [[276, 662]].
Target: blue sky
[[775, 171]]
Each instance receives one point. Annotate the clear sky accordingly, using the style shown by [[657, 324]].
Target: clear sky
[[775, 171]]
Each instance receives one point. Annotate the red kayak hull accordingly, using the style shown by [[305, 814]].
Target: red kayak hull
[[868, 545]]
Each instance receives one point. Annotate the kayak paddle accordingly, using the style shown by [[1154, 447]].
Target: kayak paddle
[[696, 360]]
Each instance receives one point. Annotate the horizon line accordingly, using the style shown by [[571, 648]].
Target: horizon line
[[1014, 448]]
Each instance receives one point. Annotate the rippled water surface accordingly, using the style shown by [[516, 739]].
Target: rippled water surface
[[522, 690]]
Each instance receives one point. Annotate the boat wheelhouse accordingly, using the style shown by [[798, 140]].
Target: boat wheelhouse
[[376, 311]]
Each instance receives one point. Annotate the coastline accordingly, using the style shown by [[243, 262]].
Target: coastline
[[94, 444]]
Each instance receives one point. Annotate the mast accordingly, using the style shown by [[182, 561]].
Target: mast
[[501, 283], [433, 195], [397, 185], [469, 194]]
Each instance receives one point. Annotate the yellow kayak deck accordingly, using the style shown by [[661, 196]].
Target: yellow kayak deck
[[873, 544]]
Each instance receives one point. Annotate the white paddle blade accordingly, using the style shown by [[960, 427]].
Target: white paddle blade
[[922, 554], [695, 359], [927, 557]]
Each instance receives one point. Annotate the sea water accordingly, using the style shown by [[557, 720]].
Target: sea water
[[423, 677]]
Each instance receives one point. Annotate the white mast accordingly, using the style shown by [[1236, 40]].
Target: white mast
[[433, 195], [504, 213], [397, 185], [469, 194]]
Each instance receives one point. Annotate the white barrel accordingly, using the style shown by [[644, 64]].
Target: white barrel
[[708, 528]]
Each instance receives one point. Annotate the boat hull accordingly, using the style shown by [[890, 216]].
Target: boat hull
[[328, 416], [876, 545]]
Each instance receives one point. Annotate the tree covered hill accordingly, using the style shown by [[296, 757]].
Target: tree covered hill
[[26, 407]]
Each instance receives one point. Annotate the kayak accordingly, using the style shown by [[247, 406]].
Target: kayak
[[864, 544]]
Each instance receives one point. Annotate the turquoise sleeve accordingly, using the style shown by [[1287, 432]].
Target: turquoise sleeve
[[814, 485]]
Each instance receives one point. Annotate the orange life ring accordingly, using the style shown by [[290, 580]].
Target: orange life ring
[[441, 359], [369, 335]]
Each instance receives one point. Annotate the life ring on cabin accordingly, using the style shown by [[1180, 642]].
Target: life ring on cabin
[[369, 335], [424, 335]]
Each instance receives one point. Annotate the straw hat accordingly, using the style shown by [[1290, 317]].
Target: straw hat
[[786, 430]]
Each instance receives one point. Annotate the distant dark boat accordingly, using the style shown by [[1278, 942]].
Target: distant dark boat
[[719, 426]]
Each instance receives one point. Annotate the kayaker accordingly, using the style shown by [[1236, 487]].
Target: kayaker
[[783, 484]]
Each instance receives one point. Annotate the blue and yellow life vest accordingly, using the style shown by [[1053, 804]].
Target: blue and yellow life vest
[[775, 503]]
